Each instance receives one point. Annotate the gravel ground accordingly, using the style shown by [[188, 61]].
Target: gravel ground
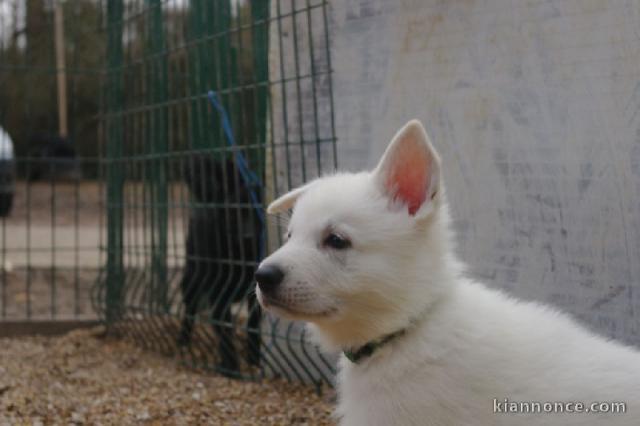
[[82, 378]]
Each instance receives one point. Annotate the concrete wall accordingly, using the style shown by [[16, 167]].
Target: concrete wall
[[535, 108]]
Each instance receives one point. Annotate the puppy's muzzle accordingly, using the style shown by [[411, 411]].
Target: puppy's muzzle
[[269, 278]]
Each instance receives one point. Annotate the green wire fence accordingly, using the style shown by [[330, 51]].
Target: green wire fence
[[180, 197], [51, 226]]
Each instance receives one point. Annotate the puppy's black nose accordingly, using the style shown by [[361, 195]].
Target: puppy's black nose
[[268, 277]]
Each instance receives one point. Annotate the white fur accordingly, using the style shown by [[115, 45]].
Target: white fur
[[465, 343]]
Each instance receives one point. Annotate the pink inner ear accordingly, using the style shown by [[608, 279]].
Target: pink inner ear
[[409, 178]]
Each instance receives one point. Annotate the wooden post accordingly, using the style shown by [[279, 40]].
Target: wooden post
[[63, 128]]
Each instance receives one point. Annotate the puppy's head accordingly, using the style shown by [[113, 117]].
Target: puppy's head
[[364, 251]]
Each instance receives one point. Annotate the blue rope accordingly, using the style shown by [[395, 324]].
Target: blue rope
[[250, 179]]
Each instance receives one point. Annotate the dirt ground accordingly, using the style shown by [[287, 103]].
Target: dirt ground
[[44, 294], [82, 203], [84, 378], [60, 203]]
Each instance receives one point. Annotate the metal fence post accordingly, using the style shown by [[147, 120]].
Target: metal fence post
[[260, 40], [114, 162], [158, 143]]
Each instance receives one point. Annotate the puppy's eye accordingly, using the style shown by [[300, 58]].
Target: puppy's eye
[[337, 242], [288, 236]]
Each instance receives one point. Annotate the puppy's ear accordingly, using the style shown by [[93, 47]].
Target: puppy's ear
[[286, 201], [409, 171]]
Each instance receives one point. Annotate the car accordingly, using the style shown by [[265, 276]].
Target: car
[[7, 173], [53, 158]]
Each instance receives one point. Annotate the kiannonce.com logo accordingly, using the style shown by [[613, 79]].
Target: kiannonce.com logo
[[506, 406]]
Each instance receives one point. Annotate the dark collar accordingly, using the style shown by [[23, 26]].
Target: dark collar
[[356, 354]]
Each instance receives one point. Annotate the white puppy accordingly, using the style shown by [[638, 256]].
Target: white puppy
[[369, 264]]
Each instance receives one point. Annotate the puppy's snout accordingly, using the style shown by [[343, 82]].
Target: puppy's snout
[[269, 277]]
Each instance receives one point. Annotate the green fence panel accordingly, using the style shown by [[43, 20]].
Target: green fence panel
[[180, 225], [186, 225], [51, 201]]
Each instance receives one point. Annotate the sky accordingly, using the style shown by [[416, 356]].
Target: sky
[[9, 10]]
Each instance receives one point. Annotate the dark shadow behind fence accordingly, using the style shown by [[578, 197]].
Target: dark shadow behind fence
[[180, 227]]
